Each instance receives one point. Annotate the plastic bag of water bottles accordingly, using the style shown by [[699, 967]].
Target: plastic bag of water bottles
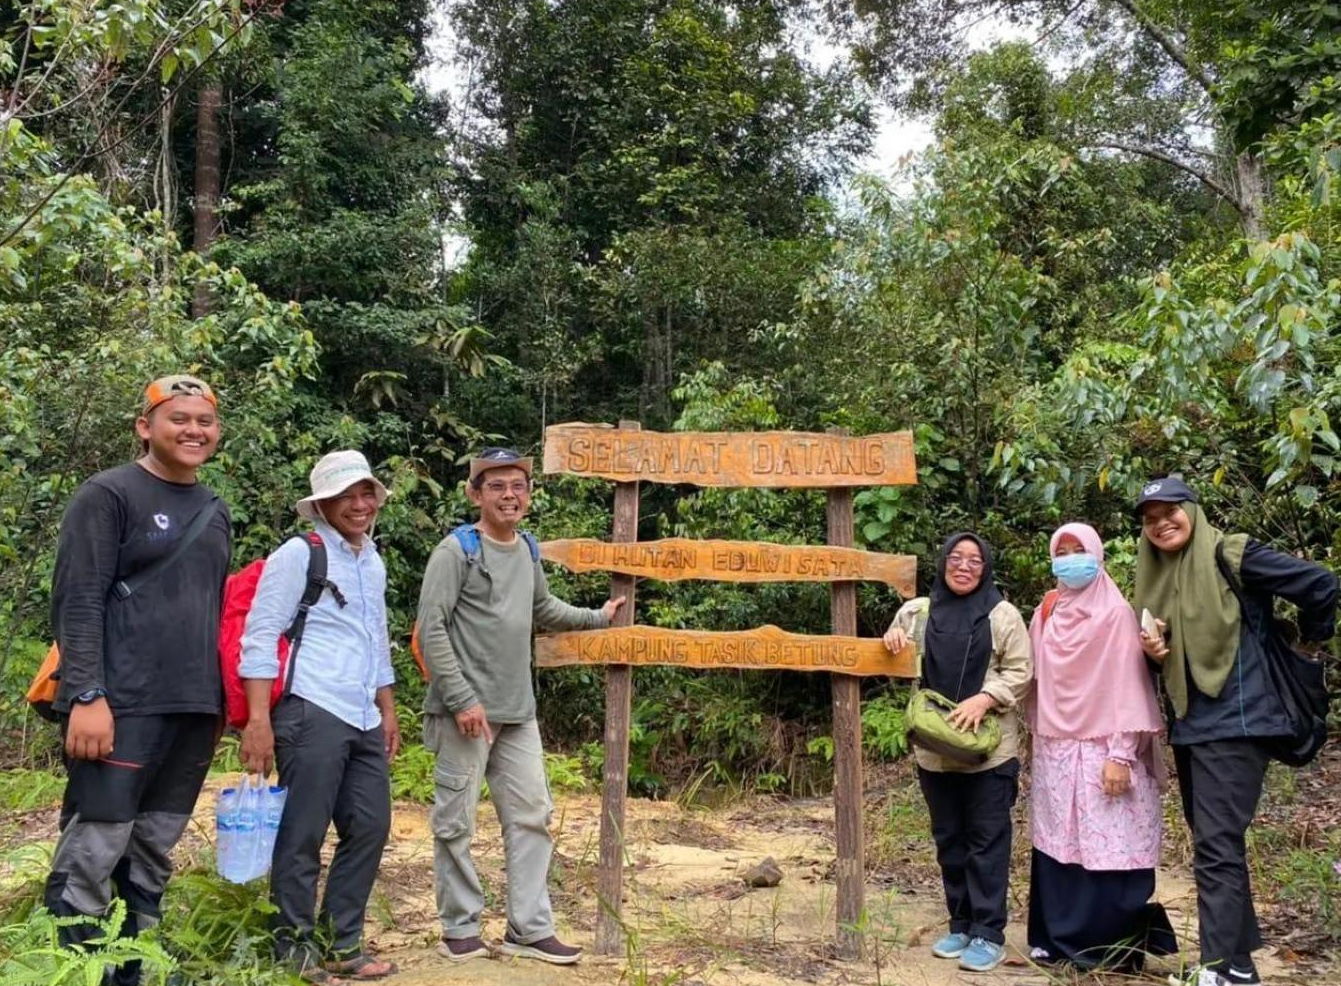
[[246, 822]]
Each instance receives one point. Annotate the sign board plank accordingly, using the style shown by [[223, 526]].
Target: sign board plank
[[765, 458], [672, 559], [763, 648]]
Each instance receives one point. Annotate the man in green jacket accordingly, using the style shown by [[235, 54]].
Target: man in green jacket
[[482, 596]]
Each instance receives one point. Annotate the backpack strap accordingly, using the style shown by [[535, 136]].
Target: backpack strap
[[1049, 603], [125, 588], [317, 582], [1229, 571], [468, 536], [531, 543]]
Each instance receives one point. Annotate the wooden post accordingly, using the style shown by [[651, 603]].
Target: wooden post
[[847, 787], [618, 695]]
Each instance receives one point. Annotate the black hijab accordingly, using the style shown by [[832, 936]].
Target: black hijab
[[958, 640]]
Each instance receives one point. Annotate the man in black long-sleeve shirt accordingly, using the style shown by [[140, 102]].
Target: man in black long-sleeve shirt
[[139, 672]]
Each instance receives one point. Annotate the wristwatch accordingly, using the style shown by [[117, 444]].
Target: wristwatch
[[90, 695]]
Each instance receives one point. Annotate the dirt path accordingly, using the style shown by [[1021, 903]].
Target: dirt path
[[692, 919]]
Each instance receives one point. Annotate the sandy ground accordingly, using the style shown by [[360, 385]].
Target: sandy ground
[[691, 918]]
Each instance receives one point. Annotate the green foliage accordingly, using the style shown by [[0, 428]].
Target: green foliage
[[31, 954], [1282, 68], [219, 932], [24, 790], [566, 774], [412, 774], [884, 735], [1311, 880]]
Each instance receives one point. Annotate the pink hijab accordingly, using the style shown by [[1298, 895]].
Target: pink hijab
[[1091, 678]]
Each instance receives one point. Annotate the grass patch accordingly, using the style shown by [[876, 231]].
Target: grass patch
[[22, 789]]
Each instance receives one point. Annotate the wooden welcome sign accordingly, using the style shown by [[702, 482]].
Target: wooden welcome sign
[[766, 458], [673, 559], [766, 648], [835, 461]]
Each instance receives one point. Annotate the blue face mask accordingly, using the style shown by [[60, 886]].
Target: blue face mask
[[1075, 571]]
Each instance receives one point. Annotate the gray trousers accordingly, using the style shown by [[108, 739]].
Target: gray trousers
[[514, 766], [334, 773], [121, 818]]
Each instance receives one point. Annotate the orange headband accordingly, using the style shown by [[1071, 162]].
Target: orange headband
[[180, 385]]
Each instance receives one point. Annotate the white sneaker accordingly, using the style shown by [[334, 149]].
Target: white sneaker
[[1209, 977]]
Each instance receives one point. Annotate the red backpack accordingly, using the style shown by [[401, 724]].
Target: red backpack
[[239, 593]]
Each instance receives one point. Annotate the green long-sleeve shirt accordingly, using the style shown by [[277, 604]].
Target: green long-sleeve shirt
[[475, 627]]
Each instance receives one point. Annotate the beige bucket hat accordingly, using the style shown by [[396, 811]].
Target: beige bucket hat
[[332, 475]]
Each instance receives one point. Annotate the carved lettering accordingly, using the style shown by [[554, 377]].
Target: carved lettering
[[774, 458], [763, 648], [673, 559]]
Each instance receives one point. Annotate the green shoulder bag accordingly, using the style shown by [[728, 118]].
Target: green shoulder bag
[[927, 718]]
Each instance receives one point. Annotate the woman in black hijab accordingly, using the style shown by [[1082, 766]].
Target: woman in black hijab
[[973, 648]]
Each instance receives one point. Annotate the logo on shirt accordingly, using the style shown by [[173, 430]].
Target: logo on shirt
[[163, 521]]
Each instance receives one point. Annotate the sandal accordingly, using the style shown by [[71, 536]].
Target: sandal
[[362, 968], [304, 966]]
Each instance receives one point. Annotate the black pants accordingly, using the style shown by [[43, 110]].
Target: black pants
[[1220, 782], [970, 821], [121, 818], [337, 773]]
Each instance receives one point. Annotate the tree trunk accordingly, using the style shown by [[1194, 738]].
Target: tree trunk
[[207, 182], [1248, 177], [658, 352]]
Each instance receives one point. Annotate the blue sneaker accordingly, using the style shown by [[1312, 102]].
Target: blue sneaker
[[982, 956], [951, 946]]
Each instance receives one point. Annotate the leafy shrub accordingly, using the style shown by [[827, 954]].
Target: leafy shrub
[[31, 954], [884, 735], [412, 774]]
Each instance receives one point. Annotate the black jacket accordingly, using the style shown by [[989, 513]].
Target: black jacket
[[1248, 706]]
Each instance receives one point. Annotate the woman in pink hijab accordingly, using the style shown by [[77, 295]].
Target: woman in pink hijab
[[1097, 771]]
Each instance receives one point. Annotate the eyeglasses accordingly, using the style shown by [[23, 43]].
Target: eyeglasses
[[498, 488], [963, 561]]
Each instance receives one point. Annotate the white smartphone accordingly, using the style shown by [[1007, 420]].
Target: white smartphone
[[1148, 624]]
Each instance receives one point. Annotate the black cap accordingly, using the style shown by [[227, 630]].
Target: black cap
[[1168, 489]]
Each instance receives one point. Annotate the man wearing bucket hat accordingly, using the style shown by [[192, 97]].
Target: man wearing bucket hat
[[334, 729], [140, 566], [483, 592]]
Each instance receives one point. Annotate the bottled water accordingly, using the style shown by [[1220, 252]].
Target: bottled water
[[247, 821], [272, 810], [225, 832]]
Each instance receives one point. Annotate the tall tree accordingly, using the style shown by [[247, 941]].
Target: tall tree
[[207, 181], [1154, 78], [637, 132]]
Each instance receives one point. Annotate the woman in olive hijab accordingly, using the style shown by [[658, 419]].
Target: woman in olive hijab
[[1213, 641]]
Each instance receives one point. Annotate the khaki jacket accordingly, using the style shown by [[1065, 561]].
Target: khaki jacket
[[1007, 681]]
